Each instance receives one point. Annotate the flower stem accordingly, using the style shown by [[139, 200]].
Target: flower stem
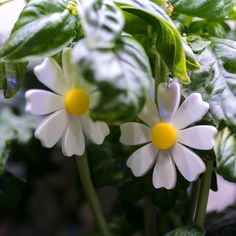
[[205, 183], [150, 218], [91, 195], [193, 200]]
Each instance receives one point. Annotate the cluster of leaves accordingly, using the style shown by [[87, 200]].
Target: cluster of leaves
[[116, 45]]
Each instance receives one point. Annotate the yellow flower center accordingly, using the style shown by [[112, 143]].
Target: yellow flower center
[[164, 135], [76, 102]]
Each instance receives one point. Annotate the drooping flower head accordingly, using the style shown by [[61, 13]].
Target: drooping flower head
[[166, 135], [67, 107]]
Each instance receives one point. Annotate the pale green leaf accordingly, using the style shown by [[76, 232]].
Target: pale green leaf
[[123, 76], [225, 150], [102, 22], [216, 80]]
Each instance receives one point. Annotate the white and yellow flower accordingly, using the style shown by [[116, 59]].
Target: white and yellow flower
[[67, 106], [166, 136]]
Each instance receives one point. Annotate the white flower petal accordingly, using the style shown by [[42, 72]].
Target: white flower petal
[[142, 160], [134, 133], [149, 113], [70, 69], [41, 102], [73, 142], [164, 173], [52, 128], [190, 111], [96, 131], [199, 137], [189, 164], [50, 74], [168, 100]]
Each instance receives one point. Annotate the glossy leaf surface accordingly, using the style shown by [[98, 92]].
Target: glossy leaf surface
[[43, 29], [168, 41], [122, 75]]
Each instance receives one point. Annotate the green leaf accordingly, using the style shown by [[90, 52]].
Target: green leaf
[[168, 41], [122, 75], [43, 29], [191, 60], [105, 164], [186, 231], [204, 8], [225, 150], [11, 77], [216, 80], [13, 127], [102, 22]]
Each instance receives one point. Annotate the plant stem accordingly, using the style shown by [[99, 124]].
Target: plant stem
[[200, 212], [150, 218], [91, 195], [194, 200]]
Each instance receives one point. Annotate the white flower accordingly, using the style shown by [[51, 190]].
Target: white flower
[[9, 14], [166, 137], [69, 105]]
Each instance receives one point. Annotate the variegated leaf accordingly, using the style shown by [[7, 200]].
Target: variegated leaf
[[122, 75], [102, 22]]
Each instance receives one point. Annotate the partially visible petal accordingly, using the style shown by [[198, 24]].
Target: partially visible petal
[[149, 113], [89, 87], [73, 141], [52, 128], [96, 131], [70, 69], [142, 160], [50, 74], [200, 137], [164, 173], [94, 98], [168, 100], [190, 111], [41, 102], [134, 133], [189, 164]]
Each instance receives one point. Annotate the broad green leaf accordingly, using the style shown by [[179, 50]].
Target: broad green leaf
[[168, 41], [11, 77], [43, 29], [216, 80], [191, 60], [186, 231], [13, 127], [225, 150], [204, 8], [102, 22], [122, 75]]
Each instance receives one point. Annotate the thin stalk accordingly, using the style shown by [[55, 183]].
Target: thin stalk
[[200, 212], [91, 195], [150, 218], [194, 200]]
